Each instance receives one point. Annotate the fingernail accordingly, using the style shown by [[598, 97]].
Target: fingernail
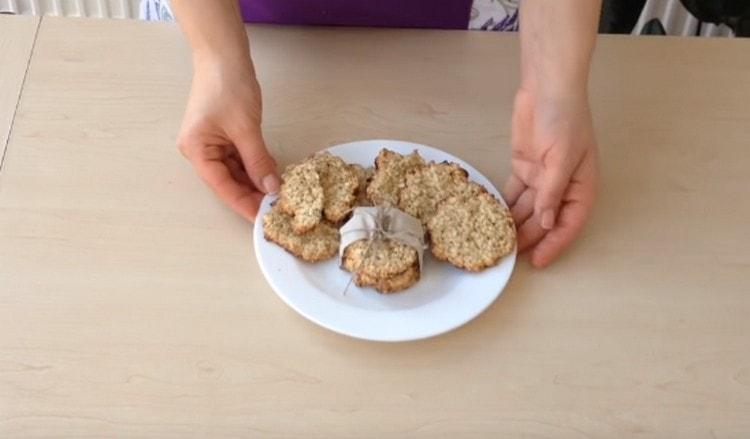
[[548, 219], [271, 183]]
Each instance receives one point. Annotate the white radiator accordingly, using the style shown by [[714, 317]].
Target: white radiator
[[72, 8]]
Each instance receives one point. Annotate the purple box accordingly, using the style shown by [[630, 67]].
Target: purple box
[[440, 14]]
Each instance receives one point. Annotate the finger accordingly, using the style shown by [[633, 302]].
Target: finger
[[260, 166], [524, 207], [513, 189], [570, 222], [572, 218], [525, 170], [530, 233], [238, 171], [240, 198], [552, 186]]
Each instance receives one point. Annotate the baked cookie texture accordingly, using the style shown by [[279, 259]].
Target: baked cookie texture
[[301, 196], [387, 265], [364, 176], [393, 284], [340, 184], [427, 186], [318, 244], [472, 233], [322, 186], [390, 176]]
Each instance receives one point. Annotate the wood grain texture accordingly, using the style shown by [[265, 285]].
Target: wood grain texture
[[131, 304], [16, 40]]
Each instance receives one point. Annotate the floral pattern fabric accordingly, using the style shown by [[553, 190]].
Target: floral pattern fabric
[[494, 15], [155, 10]]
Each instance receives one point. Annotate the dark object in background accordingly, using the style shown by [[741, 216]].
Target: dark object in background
[[653, 27], [733, 13], [621, 16]]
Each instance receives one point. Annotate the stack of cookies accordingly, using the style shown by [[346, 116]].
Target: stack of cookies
[[315, 198], [465, 225], [386, 265]]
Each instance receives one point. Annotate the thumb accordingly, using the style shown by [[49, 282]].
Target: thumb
[[554, 182], [259, 164]]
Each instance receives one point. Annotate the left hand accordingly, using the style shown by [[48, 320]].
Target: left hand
[[554, 172], [221, 134]]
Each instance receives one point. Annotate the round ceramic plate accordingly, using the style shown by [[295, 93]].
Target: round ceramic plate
[[443, 299]]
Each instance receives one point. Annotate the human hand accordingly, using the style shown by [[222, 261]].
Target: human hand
[[552, 187], [221, 134]]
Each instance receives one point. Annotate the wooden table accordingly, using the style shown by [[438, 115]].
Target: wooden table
[[131, 304]]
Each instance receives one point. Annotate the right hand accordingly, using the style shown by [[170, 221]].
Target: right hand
[[221, 135], [553, 183]]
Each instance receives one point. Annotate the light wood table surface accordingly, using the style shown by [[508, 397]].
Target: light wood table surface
[[131, 303]]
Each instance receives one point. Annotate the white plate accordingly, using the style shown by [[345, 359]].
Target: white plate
[[444, 298]]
